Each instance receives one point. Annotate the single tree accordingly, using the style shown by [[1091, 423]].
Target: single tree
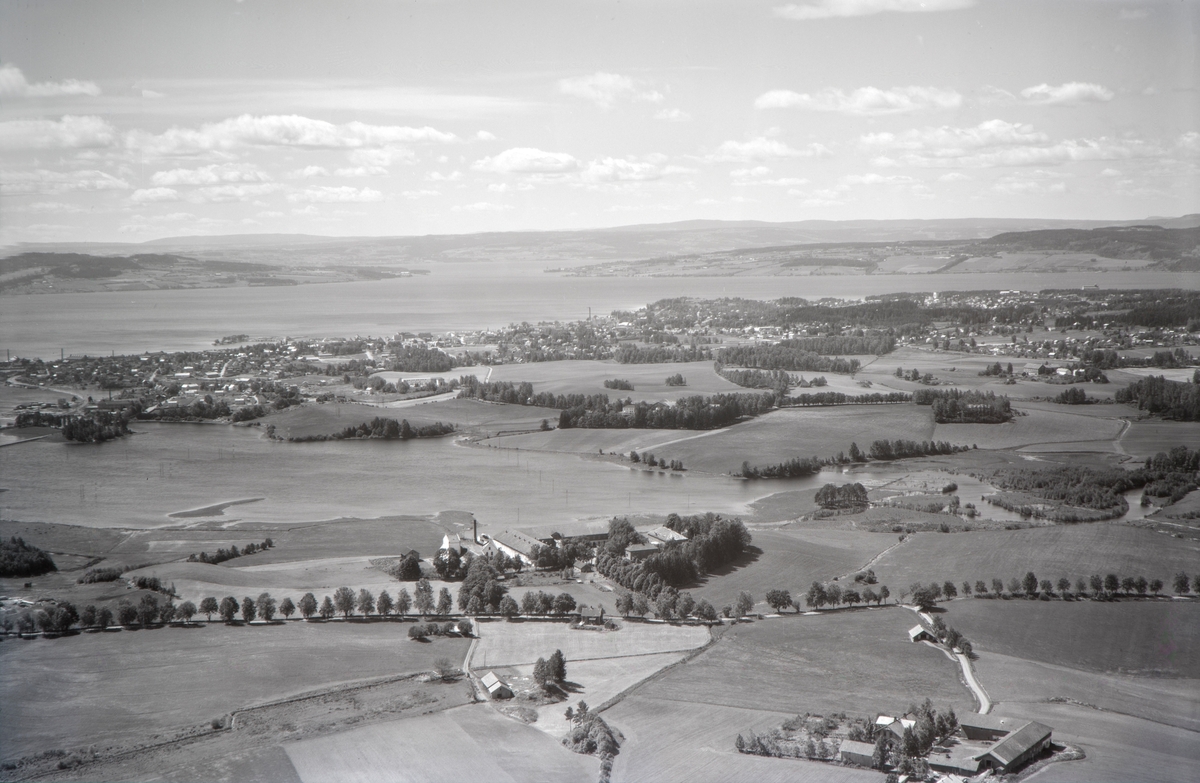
[[1180, 584], [249, 609], [147, 610], [816, 596], [1064, 585], [343, 601], [1140, 584], [366, 602], [465, 627], [327, 609], [744, 604], [705, 611], [884, 594], [384, 605], [445, 604], [186, 611], [308, 605], [1111, 583], [1014, 586], [997, 586], [980, 587], [266, 606], [557, 666], [779, 599], [1047, 586], [966, 587], [541, 675], [1081, 587], [851, 597], [685, 605], [624, 604], [1156, 586], [87, 619], [228, 608], [1096, 582], [167, 613], [949, 589], [1127, 585], [104, 617], [641, 605], [424, 597], [508, 607], [286, 607], [564, 603], [1030, 584], [403, 602]]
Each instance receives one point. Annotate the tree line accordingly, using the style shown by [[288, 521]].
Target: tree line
[[222, 554], [1096, 586], [786, 355], [775, 380], [807, 399], [799, 467], [687, 413], [628, 353], [381, 429]]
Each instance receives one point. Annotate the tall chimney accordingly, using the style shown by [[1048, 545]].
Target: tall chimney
[[475, 523]]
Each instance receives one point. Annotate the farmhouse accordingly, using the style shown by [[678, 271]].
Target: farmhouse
[[589, 615], [662, 535], [860, 753], [496, 687], [637, 552], [919, 634]]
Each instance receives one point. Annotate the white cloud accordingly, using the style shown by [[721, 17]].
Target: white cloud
[[151, 195], [210, 175], [309, 171], [283, 131], [874, 179], [344, 193], [826, 9], [14, 85], [361, 171], [1189, 142], [605, 89], [1110, 173], [528, 160], [224, 193], [71, 132], [384, 156], [499, 187], [1034, 183], [437, 176], [672, 115], [864, 100], [953, 140], [1069, 94], [620, 170], [482, 206], [762, 148], [485, 136], [758, 176], [415, 194], [953, 176]]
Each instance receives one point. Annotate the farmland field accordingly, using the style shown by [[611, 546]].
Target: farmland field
[[509, 644], [474, 741], [1153, 638], [791, 559], [1038, 426], [329, 418], [587, 377], [1147, 437], [128, 685], [1050, 552]]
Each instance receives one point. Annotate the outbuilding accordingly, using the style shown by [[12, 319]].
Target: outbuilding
[[918, 634], [860, 753], [496, 687], [1016, 748]]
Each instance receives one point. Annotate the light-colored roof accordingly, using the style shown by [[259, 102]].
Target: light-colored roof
[[884, 720], [1013, 745], [664, 533], [491, 681], [916, 631], [516, 540], [989, 722], [860, 748]]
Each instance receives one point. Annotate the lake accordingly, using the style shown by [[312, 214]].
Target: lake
[[454, 297]]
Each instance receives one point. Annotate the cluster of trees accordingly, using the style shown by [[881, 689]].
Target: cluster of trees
[[687, 413], [20, 559], [654, 462], [628, 353], [958, 406], [552, 671], [152, 583], [776, 380], [846, 496], [590, 735], [540, 603], [902, 449], [818, 399], [877, 343], [669, 604], [557, 556], [383, 429], [222, 554], [96, 428], [676, 380], [787, 355], [991, 370], [419, 631], [1072, 395], [481, 590], [1170, 399], [106, 574], [407, 568], [618, 383], [419, 358], [39, 419], [796, 467]]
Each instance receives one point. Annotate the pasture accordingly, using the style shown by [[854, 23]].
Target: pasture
[[1072, 551], [514, 643], [1039, 426], [127, 686], [330, 417], [474, 741], [1147, 437], [1149, 638], [791, 559]]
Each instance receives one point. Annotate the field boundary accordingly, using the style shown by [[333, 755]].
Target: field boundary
[[688, 657]]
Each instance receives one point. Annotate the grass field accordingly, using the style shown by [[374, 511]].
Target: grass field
[[587, 377], [1157, 639], [682, 725], [1038, 426], [473, 742], [328, 418], [791, 559], [129, 685], [1147, 437], [512, 644], [1050, 552]]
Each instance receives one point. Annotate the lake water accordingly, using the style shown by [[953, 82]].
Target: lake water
[[453, 297]]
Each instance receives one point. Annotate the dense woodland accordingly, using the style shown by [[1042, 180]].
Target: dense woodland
[[20, 559], [628, 353], [1170, 399], [821, 399], [714, 541], [418, 358], [958, 406]]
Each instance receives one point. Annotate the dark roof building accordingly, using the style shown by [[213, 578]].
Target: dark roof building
[[1016, 748], [987, 727]]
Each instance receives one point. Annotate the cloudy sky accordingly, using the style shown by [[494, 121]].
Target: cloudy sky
[[130, 120]]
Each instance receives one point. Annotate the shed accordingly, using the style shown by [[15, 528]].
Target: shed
[[496, 687], [860, 753], [918, 633]]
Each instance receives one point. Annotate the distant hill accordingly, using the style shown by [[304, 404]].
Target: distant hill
[[1141, 242]]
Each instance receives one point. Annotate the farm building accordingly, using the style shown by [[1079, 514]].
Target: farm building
[[512, 543], [1016, 748], [589, 615], [860, 753], [637, 552], [496, 687], [919, 634], [663, 535], [986, 727]]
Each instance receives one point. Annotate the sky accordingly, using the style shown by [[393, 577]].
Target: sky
[[130, 121]]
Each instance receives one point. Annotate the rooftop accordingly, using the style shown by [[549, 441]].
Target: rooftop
[[1012, 746]]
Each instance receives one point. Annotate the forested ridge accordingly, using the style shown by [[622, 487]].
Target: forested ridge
[[1170, 399]]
